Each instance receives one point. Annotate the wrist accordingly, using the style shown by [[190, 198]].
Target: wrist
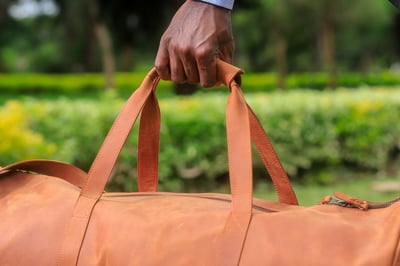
[[227, 4]]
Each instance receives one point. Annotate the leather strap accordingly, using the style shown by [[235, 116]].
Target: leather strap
[[148, 152], [149, 145], [239, 122], [101, 170], [148, 182], [240, 175], [58, 169], [271, 161]]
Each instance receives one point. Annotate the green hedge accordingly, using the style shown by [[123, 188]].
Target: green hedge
[[69, 83], [127, 82], [268, 81], [319, 135]]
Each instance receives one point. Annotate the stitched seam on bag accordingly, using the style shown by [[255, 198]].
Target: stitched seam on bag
[[254, 206]]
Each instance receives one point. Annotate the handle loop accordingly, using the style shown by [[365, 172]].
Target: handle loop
[[241, 124], [150, 136], [58, 169]]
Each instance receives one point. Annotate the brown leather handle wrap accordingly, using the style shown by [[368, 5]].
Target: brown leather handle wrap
[[58, 169], [242, 126], [149, 145]]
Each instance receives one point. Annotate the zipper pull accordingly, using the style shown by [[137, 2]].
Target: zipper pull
[[360, 204], [346, 201]]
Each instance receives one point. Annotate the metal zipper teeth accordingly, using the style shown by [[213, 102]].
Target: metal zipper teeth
[[197, 196], [342, 203], [371, 205]]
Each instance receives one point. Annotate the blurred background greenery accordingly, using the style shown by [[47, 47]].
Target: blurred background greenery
[[284, 36], [322, 75]]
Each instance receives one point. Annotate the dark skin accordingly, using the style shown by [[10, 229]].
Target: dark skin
[[197, 34]]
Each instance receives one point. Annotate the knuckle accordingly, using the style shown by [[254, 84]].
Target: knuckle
[[162, 71], [204, 54], [184, 51], [159, 66]]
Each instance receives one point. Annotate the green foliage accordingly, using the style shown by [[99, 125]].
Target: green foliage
[[18, 140], [78, 127], [76, 84], [320, 136], [69, 83], [364, 34], [332, 129], [364, 143], [262, 82]]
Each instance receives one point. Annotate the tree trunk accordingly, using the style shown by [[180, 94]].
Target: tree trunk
[[90, 49], [107, 54], [328, 41], [281, 44], [105, 44], [365, 61], [281, 59], [3, 14], [126, 57], [396, 32]]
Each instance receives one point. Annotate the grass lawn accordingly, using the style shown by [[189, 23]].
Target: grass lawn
[[311, 194]]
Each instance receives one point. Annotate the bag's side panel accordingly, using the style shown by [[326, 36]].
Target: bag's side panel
[[34, 212], [154, 230], [324, 235]]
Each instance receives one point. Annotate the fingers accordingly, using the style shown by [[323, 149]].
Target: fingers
[[207, 68], [196, 36], [207, 61], [162, 62], [177, 69], [225, 52], [185, 64], [176, 63], [190, 67]]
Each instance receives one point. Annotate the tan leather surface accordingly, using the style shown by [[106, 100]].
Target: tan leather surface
[[183, 229], [70, 220], [58, 169]]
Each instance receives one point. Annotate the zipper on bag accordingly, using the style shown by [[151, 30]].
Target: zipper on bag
[[343, 200]]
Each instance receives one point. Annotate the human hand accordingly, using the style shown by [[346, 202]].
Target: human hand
[[197, 35]]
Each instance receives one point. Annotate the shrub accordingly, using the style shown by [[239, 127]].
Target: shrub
[[77, 126], [70, 83], [317, 134], [316, 131], [17, 140], [126, 82]]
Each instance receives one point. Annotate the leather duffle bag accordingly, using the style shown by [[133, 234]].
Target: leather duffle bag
[[52, 213]]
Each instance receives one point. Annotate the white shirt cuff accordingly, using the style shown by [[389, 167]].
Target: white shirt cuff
[[228, 4]]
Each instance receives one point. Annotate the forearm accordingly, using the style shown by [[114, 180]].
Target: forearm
[[228, 4]]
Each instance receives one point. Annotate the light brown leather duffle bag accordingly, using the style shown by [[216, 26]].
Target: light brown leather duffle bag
[[52, 213]]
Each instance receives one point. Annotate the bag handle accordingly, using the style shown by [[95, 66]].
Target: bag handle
[[149, 145], [101, 169], [149, 142], [65, 171], [238, 125]]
